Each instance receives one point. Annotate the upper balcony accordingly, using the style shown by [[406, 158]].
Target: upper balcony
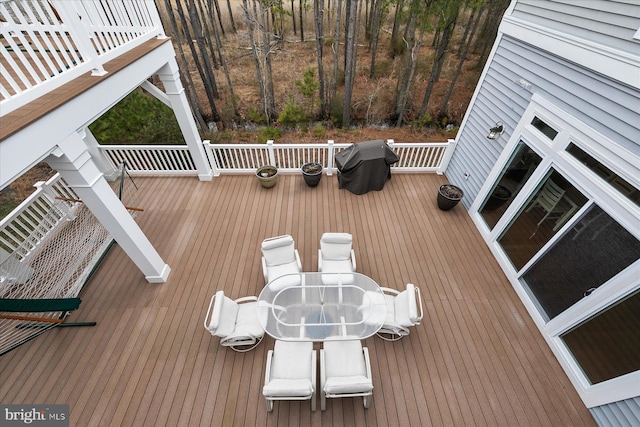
[[46, 44]]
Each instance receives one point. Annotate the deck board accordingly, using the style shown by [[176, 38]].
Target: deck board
[[477, 358]]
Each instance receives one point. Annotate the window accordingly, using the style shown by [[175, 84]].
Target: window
[[511, 181], [596, 249], [607, 345], [620, 184], [549, 208], [547, 130]]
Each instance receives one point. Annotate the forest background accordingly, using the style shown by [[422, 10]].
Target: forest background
[[285, 70]]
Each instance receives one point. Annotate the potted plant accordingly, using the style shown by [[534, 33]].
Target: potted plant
[[448, 196], [267, 175], [312, 172]]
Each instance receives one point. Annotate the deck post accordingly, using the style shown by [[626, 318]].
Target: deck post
[[104, 165], [74, 163], [446, 157], [170, 77]]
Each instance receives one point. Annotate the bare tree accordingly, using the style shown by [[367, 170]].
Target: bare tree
[[336, 50], [449, 14], [351, 48], [374, 32], [233, 22], [463, 57], [318, 12]]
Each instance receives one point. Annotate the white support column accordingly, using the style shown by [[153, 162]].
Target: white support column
[[104, 165], [74, 163], [170, 77]]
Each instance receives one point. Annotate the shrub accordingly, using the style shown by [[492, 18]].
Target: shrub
[[257, 117], [292, 114], [319, 131], [268, 133], [137, 119]]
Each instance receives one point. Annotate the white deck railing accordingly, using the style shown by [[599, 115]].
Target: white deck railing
[[246, 158], [36, 218], [47, 43]]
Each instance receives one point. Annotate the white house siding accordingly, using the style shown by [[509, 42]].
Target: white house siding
[[623, 413], [611, 23], [605, 105]]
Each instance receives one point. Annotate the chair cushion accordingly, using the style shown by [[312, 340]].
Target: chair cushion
[[335, 246], [279, 250], [292, 360], [288, 388], [371, 302], [337, 266], [343, 359], [401, 308], [280, 270], [223, 315], [247, 321], [344, 385]]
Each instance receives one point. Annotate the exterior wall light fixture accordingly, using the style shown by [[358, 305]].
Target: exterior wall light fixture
[[496, 131]]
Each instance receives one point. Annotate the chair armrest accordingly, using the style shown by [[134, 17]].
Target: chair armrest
[[267, 373], [323, 369], [246, 299], [265, 272], [319, 260], [353, 259], [365, 352], [298, 260], [419, 301], [206, 317], [390, 291]]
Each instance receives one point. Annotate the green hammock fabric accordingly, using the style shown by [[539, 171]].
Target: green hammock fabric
[[39, 305]]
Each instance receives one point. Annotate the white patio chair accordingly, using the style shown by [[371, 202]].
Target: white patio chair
[[279, 257], [549, 200], [290, 373], [345, 371], [336, 255], [235, 322], [402, 312]]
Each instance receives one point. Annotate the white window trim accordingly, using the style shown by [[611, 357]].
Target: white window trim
[[624, 211]]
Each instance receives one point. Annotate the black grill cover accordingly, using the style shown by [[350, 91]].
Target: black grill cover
[[365, 166]]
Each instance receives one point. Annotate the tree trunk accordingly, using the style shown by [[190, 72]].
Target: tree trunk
[[185, 76], [223, 61], [395, 33], [350, 56], [293, 18], [463, 57], [436, 68], [301, 5], [233, 22], [266, 46], [217, 6], [250, 21], [336, 50], [196, 59], [318, 12], [375, 31], [402, 93]]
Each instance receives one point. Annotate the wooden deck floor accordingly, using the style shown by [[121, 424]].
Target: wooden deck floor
[[476, 360]]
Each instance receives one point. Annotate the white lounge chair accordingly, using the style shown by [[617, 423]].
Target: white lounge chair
[[279, 257], [402, 312], [336, 254], [290, 373], [235, 322], [345, 371]]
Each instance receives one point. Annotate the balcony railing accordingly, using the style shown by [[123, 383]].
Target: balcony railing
[[29, 225], [246, 158], [47, 43]]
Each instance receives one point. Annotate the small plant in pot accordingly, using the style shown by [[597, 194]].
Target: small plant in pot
[[312, 172], [448, 196], [267, 175]]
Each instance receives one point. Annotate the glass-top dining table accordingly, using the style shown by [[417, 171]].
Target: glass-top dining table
[[321, 307]]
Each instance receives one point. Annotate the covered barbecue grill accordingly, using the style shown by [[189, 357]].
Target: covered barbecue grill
[[365, 166]]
